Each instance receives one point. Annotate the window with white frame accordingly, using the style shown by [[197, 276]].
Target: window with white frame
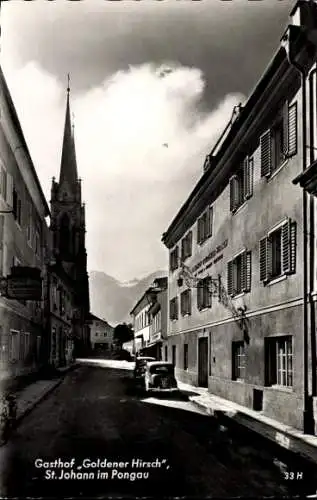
[[239, 274], [204, 295], [241, 184], [186, 302], [205, 225], [14, 346], [174, 308], [174, 259], [278, 252], [279, 361], [280, 141], [238, 360], [187, 243]]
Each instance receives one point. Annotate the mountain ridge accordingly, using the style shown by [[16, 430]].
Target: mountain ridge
[[112, 299]]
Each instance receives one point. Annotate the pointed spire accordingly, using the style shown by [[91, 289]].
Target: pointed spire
[[68, 170]]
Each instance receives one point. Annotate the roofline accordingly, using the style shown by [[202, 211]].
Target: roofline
[[18, 127], [276, 61], [140, 300]]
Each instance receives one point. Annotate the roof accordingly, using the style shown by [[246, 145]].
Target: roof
[[276, 62], [68, 171], [96, 318], [17, 125]]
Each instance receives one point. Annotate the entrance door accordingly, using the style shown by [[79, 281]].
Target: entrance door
[[203, 362]]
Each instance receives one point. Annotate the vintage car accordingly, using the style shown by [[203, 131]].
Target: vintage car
[[139, 368], [160, 376]]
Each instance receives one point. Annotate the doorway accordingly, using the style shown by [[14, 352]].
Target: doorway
[[203, 362]]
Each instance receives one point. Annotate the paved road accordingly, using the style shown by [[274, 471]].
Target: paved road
[[95, 414]]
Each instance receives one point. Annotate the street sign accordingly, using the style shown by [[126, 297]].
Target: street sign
[[24, 284]]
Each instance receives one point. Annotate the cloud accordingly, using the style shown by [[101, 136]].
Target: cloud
[[133, 183]]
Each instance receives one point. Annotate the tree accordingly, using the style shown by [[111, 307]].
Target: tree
[[123, 333]]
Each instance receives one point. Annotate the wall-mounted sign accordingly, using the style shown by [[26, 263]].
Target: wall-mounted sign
[[24, 283], [206, 260]]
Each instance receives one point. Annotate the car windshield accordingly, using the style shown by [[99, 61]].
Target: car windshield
[[162, 369]]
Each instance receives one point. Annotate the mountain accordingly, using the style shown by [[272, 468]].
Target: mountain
[[113, 300]]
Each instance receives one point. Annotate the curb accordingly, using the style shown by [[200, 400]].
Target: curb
[[41, 398], [283, 439]]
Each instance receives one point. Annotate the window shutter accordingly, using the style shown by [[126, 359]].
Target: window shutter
[[268, 258], [176, 308], [263, 259], [286, 254], [10, 190], [189, 308], [199, 231], [183, 249], [292, 130], [266, 155], [210, 220], [285, 129], [209, 294], [234, 192], [176, 258], [248, 264], [248, 177], [230, 278], [199, 295], [243, 271], [190, 243], [293, 247]]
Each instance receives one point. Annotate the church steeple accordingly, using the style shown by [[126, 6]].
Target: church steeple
[[68, 173]]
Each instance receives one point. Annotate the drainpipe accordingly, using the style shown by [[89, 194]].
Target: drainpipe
[[308, 421], [312, 235]]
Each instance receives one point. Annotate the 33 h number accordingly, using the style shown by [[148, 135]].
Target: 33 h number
[[293, 475]]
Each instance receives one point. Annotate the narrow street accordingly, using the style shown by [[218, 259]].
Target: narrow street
[[96, 414]]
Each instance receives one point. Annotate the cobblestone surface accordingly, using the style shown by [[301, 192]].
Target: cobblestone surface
[[95, 413]]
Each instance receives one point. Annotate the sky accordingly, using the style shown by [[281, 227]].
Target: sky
[[153, 84]]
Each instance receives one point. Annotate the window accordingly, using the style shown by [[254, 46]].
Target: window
[[174, 308], [238, 361], [174, 355], [239, 274], [280, 141], [38, 347], [185, 356], [279, 361], [14, 346], [204, 295], [17, 207], [26, 345], [37, 244], [174, 259], [241, 184], [29, 223], [278, 252], [186, 303], [3, 182], [204, 226], [187, 245], [166, 353]]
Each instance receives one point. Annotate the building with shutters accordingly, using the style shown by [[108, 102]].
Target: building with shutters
[[23, 233], [239, 247]]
